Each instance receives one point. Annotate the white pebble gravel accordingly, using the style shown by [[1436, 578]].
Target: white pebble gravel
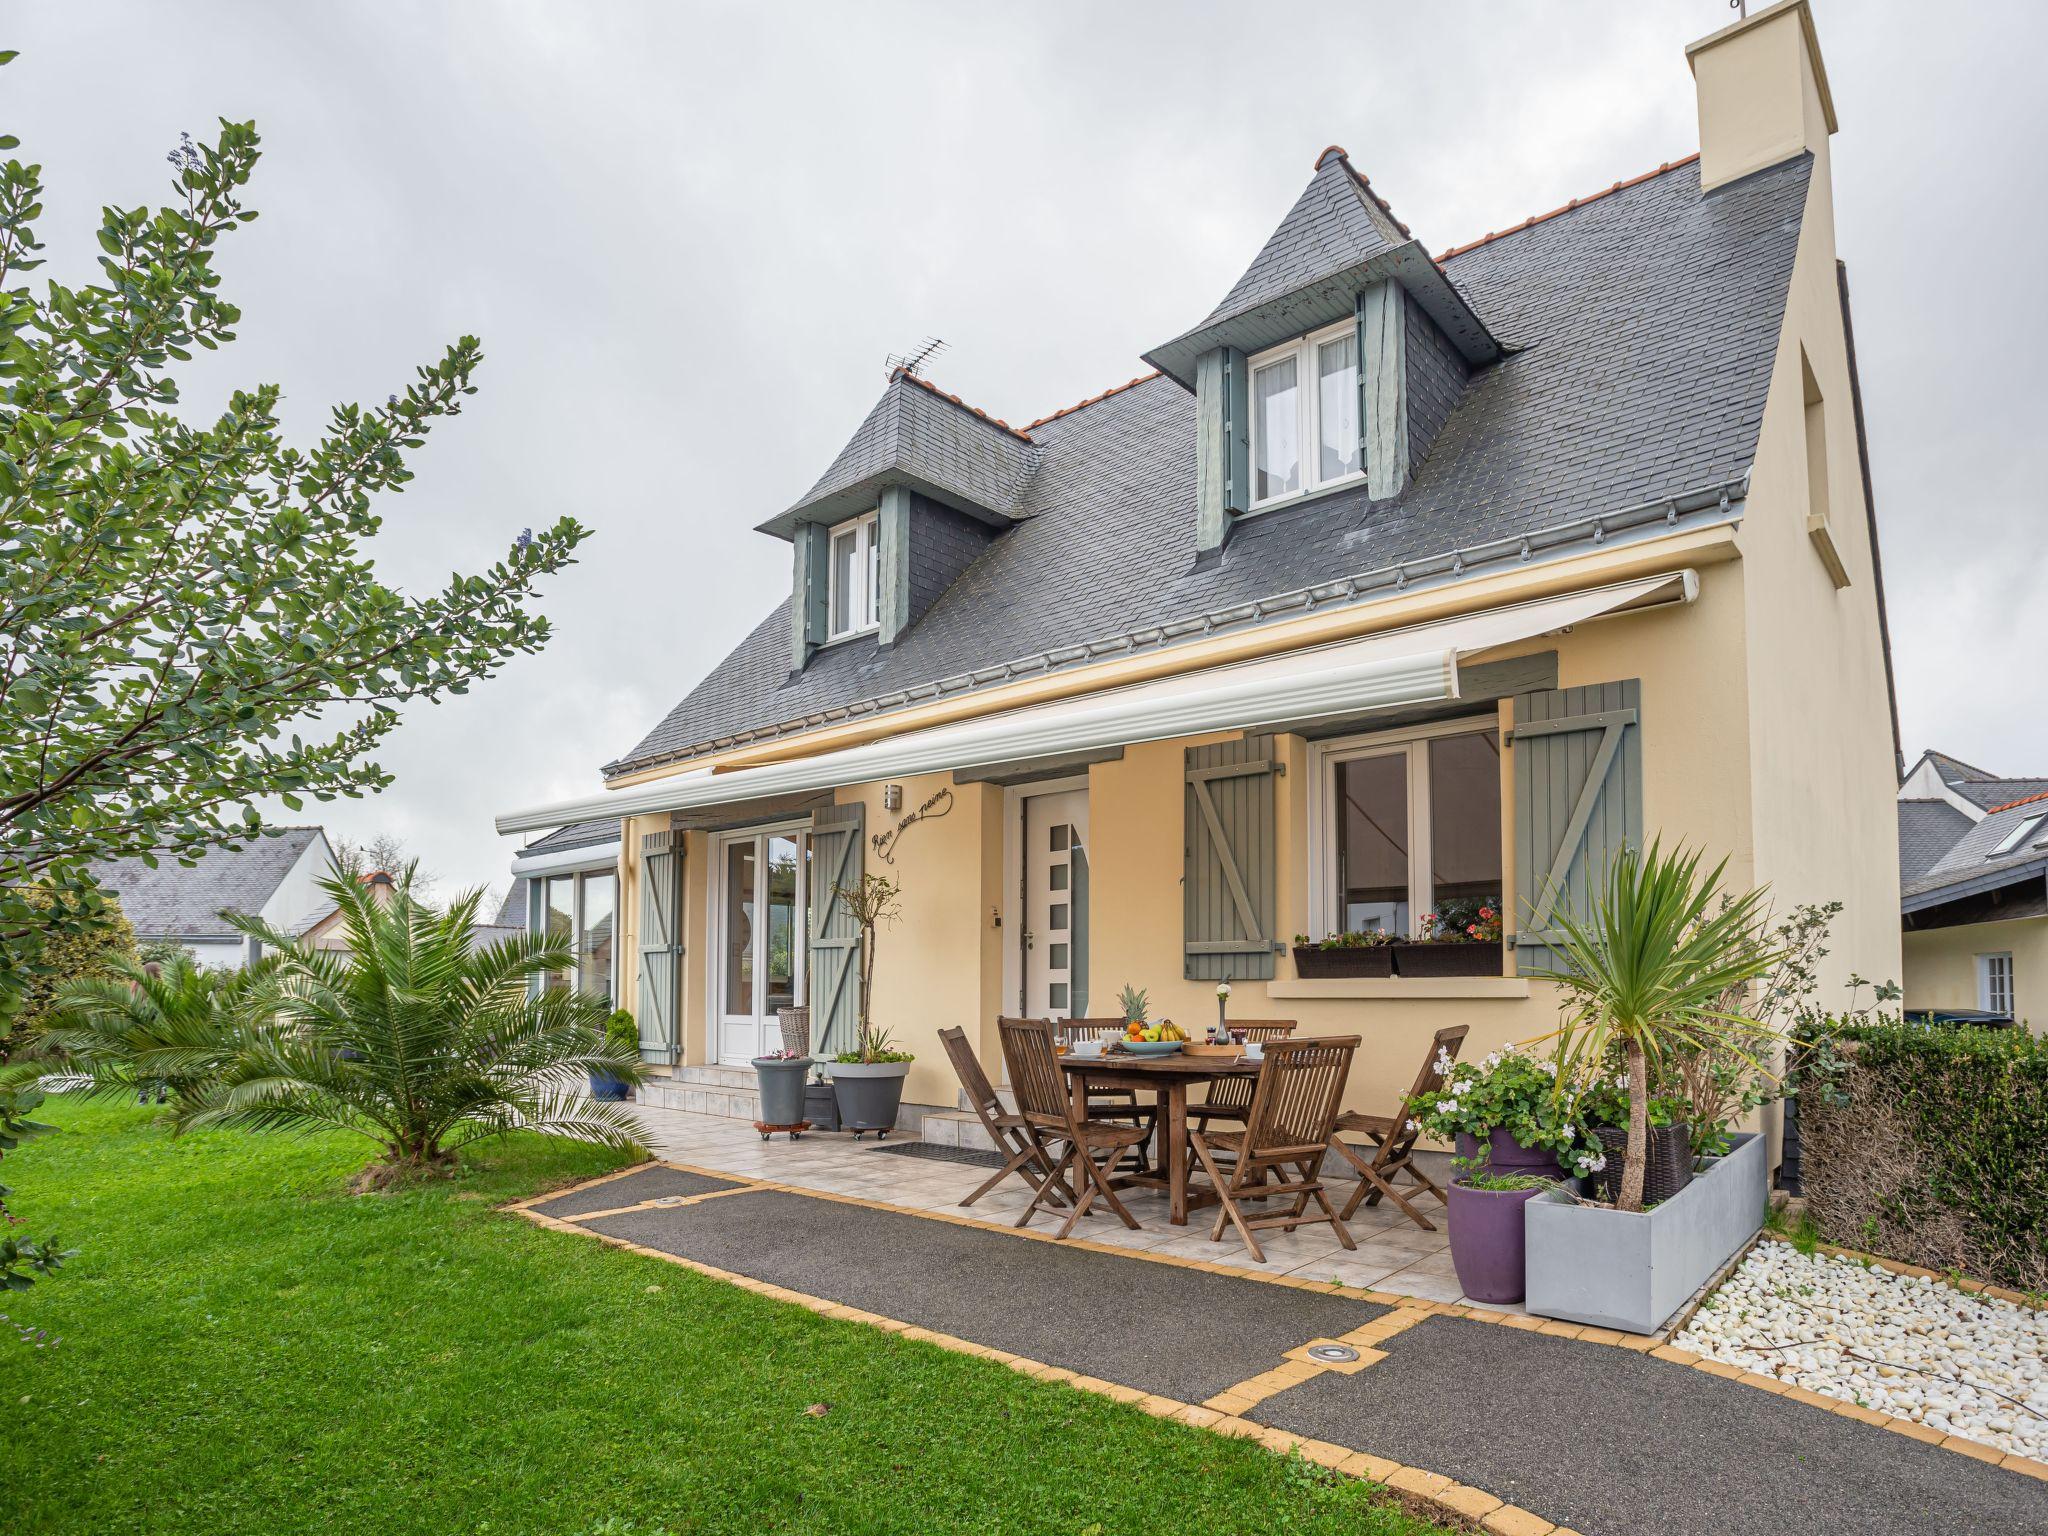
[[1912, 1347]]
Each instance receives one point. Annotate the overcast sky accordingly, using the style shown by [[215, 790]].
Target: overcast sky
[[689, 234]]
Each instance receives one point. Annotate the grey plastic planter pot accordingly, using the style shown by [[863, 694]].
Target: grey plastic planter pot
[[869, 1094], [782, 1088], [1632, 1270]]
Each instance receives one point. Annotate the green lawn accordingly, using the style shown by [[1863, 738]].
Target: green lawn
[[247, 1348]]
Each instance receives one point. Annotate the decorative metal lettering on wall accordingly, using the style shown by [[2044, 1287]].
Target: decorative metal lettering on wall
[[938, 803]]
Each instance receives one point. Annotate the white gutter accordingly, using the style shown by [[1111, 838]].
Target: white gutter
[[1415, 665]]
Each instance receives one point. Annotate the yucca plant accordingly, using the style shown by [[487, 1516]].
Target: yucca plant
[[414, 1039], [154, 1031], [1656, 970]]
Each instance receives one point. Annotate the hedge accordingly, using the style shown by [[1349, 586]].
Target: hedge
[[1931, 1145]]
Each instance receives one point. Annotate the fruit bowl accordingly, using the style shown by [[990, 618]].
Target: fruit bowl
[[1150, 1047]]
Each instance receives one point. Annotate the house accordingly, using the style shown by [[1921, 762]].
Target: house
[[1400, 579], [323, 928], [1973, 866], [274, 877]]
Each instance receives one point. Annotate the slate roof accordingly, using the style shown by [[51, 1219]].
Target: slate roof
[[172, 901], [1968, 867], [1336, 222], [1646, 320], [1928, 829], [584, 834], [1982, 787], [945, 446]]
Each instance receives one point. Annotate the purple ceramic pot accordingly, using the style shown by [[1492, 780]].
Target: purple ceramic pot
[[1504, 1154], [1486, 1240]]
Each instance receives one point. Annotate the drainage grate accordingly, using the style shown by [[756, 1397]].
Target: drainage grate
[[971, 1156]]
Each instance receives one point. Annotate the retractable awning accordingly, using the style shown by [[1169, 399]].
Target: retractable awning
[[1389, 670]]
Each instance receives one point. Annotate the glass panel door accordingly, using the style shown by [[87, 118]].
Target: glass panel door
[[1372, 843], [761, 923], [594, 938]]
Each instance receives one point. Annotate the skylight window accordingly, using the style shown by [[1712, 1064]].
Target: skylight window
[[2020, 834], [1305, 428]]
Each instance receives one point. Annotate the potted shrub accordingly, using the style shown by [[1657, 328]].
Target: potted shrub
[[1655, 971], [1344, 954], [1516, 1137], [867, 1081], [1460, 938], [621, 1033]]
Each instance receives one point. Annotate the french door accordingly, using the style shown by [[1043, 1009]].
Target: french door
[[758, 915]]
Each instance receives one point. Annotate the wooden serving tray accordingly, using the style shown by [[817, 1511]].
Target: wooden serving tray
[[1198, 1048]]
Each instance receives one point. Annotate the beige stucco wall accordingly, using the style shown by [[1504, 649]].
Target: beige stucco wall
[[1941, 966], [1821, 765]]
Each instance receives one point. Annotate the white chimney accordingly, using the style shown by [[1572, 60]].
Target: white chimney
[[1763, 93]]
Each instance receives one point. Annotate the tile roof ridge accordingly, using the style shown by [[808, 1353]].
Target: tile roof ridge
[[1364, 185], [1114, 389], [2023, 800], [1578, 202], [1022, 434], [1984, 775]]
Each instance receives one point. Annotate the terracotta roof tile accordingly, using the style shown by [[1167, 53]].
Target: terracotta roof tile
[[1022, 435], [1577, 202], [1114, 389]]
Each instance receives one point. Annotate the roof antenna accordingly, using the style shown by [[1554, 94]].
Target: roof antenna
[[1741, 6], [927, 349]]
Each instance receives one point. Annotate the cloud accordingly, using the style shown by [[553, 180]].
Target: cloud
[[689, 235]]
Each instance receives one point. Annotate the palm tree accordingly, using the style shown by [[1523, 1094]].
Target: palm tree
[[413, 1039], [1655, 969], [152, 1030]]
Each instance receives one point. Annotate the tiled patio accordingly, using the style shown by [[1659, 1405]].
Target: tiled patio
[[1393, 1255]]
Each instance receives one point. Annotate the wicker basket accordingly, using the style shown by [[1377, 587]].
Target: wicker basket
[[1669, 1167], [796, 1029]]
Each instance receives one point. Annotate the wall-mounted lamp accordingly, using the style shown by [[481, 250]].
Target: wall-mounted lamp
[[892, 797]]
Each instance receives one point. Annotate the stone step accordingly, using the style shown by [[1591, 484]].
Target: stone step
[[954, 1128], [716, 1077], [700, 1097]]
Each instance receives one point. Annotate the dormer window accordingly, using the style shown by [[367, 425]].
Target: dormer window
[[1305, 433], [854, 600]]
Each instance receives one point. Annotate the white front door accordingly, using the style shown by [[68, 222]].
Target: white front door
[[761, 890], [1055, 872]]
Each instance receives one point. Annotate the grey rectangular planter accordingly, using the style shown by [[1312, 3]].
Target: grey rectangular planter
[[1632, 1270]]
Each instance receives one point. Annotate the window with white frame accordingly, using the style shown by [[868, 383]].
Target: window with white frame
[[855, 577], [578, 910], [1403, 826], [1994, 984], [1305, 427]]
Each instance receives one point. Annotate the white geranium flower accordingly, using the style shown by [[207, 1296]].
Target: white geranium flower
[[1223, 989]]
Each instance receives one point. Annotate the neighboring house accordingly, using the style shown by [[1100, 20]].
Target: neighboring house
[[1973, 867], [567, 884], [323, 928], [274, 877], [1402, 579]]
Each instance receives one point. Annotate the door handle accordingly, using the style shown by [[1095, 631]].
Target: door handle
[[1030, 939]]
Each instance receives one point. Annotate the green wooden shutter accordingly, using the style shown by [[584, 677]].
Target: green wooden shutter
[[838, 859], [1222, 444], [1228, 877], [661, 946], [1578, 801], [811, 547]]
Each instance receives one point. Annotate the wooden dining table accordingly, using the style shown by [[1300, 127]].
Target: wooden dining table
[[1169, 1077]]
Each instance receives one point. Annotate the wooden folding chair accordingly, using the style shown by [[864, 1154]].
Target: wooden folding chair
[[1230, 1097], [1090, 1147], [1112, 1103], [1026, 1158], [1394, 1136], [1293, 1114]]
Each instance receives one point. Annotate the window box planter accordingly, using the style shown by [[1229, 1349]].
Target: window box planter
[[1313, 964], [1447, 959], [1632, 1270]]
